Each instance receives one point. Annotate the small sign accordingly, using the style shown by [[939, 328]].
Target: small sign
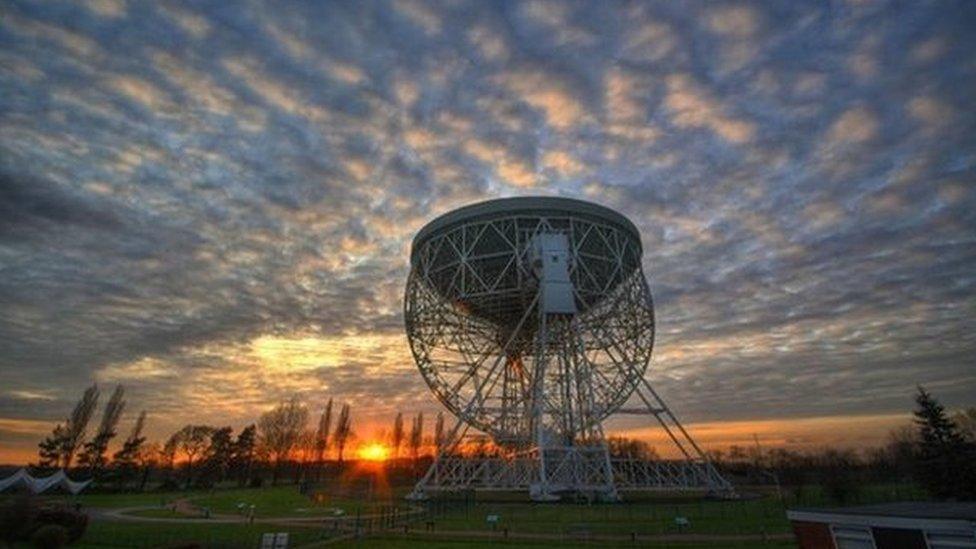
[[492, 519], [681, 521]]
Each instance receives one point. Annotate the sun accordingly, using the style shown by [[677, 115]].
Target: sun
[[374, 451]]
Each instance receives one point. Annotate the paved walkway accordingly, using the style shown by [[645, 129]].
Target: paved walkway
[[125, 514]]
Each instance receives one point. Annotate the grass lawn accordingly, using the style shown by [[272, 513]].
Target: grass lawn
[[390, 542], [137, 535], [114, 501], [284, 501], [647, 515], [704, 517], [276, 501], [653, 514]]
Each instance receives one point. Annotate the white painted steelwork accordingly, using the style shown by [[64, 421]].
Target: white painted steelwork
[[531, 321]]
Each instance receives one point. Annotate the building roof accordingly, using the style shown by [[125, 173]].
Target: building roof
[[36, 485], [528, 205], [904, 509]]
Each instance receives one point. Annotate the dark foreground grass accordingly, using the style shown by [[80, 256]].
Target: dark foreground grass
[[703, 517], [140, 535], [655, 515], [279, 501], [286, 501], [392, 542], [647, 516]]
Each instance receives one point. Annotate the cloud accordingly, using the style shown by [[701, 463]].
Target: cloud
[[692, 108], [215, 207], [193, 24], [545, 93], [855, 125]]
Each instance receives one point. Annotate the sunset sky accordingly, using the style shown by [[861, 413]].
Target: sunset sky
[[212, 202]]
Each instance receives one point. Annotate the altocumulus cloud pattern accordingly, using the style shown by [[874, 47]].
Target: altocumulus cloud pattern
[[212, 202]]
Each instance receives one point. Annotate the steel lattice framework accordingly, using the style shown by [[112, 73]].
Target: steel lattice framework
[[531, 321]]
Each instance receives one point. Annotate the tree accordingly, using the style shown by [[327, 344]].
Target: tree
[[306, 452], [58, 449], [947, 462], [125, 459], [839, 480], [901, 451], [244, 453], [77, 424], [93, 455], [49, 449], [193, 441], [280, 429], [219, 455], [630, 448], [150, 455], [396, 439], [416, 437], [343, 431], [966, 421], [322, 438], [439, 433]]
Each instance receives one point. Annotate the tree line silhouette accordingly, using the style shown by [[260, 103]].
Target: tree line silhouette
[[937, 451], [196, 455]]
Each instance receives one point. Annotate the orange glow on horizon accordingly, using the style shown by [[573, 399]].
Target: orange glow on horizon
[[374, 451]]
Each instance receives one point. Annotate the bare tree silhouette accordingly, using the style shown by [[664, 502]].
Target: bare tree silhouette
[[416, 437], [192, 440], [93, 455], [280, 429], [343, 431], [439, 433], [59, 448], [322, 438], [396, 438], [125, 458]]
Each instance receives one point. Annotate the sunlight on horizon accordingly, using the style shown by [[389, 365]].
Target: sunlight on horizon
[[374, 451]]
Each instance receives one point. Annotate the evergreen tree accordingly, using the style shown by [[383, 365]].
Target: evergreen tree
[[49, 449], [947, 462]]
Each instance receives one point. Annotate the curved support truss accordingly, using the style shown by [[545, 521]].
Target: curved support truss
[[540, 379]]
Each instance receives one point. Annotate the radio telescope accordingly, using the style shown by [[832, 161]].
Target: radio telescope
[[531, 321]]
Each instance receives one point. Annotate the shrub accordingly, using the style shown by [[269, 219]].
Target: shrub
[[168, 485], [49, 536], [17, 518], [73, 522]]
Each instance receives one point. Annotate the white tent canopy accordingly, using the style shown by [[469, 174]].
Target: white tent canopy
[[23, 479]]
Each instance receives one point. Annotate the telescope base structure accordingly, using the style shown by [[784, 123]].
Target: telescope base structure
[[532, 322], [580, 471], [487, 474]]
